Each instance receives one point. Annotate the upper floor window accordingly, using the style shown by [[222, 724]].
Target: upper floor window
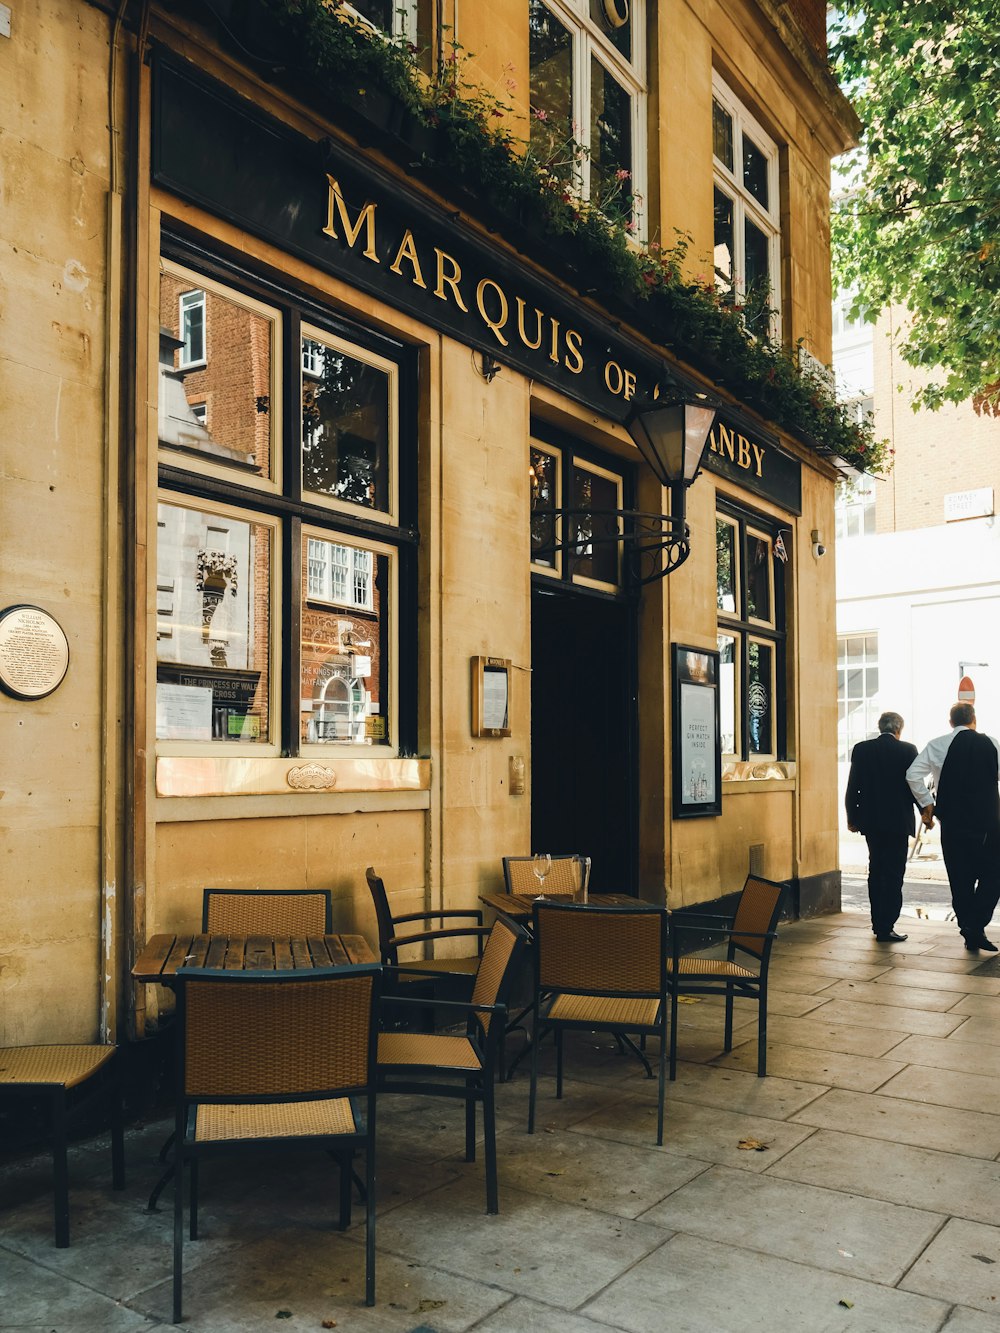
[[588, 98], [855, 508], [192, 329], [396, 18], [747, 215], [858, 705]]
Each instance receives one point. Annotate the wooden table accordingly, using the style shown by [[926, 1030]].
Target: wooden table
[[164, 954], [518, 906]]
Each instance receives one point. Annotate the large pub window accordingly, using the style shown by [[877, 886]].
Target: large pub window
[[576, 523], [750, 601], [285, 546]]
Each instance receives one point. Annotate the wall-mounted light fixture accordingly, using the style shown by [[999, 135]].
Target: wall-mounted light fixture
[[671, 430], [489, 367]]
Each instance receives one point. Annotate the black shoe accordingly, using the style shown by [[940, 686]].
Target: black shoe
[[974, 946], [988, 945], [893, 937]]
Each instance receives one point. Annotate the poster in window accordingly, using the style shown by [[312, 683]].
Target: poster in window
[[697, 754]]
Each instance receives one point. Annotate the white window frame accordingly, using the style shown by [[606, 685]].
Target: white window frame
[[188, 301], [846, 738], [855, 506], [404, 20], [745, 206], [312, 357], [589, 41], [585, 465], [359, 572], [195, 462], [553, 567]]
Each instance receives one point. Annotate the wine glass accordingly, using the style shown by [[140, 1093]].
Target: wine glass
[[541, 864]]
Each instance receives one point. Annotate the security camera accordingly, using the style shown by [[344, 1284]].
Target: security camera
[[818, 549]]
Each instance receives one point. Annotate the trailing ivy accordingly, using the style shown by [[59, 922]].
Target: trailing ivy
[[333, 60]]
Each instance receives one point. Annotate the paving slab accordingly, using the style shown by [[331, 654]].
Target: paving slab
[[732, 1089], [976, 1029], [524, 1247], [807, 1065], [845, 1233], [962, 1264], [692, 1285], [897, 997], [961, 982], [703, 1132], [942, 1182], [964, 1320], [814, 1032], [891, 1019], [783, 969], [964, 1057], [971, 1092], [879, 1117], [37, 1298], [524, 1316], [985, 1006], [305, 1277], [624, 1180]]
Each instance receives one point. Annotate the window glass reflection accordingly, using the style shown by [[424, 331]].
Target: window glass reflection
[[345, 426], [725, 566], [594, 533], [758, 577], [543, 479], [728, 699], [345, 644], [760, 701], [213, 626], [216, 356]]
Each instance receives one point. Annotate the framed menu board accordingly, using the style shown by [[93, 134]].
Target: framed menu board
[[491, 696], [697, 753]]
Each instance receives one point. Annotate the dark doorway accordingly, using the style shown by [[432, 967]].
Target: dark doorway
[[583, 716]]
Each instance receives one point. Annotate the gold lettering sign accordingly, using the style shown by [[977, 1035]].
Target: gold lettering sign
[[744, 453]]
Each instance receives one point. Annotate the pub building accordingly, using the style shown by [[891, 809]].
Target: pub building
[[334, 481]]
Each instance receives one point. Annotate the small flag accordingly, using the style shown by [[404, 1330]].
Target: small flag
[[779, 549]]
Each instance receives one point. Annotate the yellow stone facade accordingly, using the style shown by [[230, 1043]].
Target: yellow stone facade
[[109, 836]]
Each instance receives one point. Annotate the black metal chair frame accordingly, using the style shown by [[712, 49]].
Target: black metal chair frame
[[546, 995], [187, 1151], [709, 983], [468, 1086], [67, 1104]]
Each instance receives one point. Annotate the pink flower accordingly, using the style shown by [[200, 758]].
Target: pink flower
[[541, 115], [622, 175]]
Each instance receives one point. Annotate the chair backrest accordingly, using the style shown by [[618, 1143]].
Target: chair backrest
[[600, 950], [498, 967], [267, 912], [295, 1036], [757, 914], [563, 880], [383, 914]]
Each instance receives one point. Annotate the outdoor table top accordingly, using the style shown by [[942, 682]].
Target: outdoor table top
[[518, 906], [164, 954]]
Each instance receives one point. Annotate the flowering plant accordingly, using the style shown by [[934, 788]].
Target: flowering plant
[[535, 186]]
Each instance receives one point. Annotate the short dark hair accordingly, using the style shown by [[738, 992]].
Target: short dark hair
[[962, 714], [890, 723]]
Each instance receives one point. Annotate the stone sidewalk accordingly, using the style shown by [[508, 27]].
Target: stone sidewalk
[[867, 1200]]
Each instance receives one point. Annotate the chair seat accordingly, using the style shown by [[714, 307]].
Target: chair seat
[[713, 967], [61, 1066], [274, 1120], [426, 1048], [462, 966], [605, 1010]]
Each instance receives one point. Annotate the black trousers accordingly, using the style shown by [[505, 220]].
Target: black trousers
[[973, 864], [886, 868]]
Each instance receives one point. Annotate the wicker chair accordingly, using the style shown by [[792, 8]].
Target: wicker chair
[[599, 968], [442, 1065], [72, 1078], [267, 912], [413, 970], [565, 879], [749, 933], [272, 1059]]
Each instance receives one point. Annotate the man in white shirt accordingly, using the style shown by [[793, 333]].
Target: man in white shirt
[[963, 769]]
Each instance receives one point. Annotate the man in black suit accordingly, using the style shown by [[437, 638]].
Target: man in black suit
[[963, 768], [880, 805]]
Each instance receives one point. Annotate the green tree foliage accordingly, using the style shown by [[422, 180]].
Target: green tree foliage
[[919, 225]]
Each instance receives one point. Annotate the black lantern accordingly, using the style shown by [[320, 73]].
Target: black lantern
[[671, 434]]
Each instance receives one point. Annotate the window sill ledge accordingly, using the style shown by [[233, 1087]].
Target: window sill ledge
[[226, 776]]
